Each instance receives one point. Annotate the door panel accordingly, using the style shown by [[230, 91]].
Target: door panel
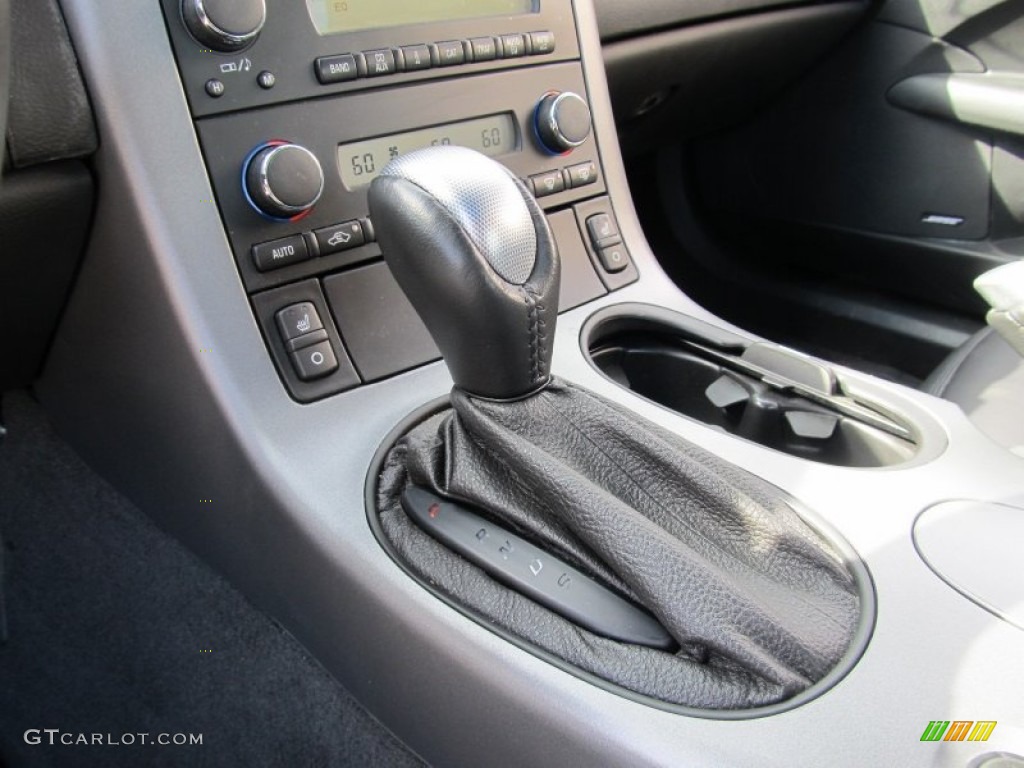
[[837, 152], [845, 186]]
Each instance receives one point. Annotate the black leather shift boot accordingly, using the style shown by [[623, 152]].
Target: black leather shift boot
[[761, 605]]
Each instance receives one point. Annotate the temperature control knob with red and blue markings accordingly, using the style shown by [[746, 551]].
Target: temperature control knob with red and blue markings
[[282, 181], [562, 121]]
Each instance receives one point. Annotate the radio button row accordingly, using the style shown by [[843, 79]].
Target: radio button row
[[415, 57], [448, 53], [340, 237], [280, 253], [412, 58]]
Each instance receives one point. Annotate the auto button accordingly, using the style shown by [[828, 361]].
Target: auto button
[[280, 253]]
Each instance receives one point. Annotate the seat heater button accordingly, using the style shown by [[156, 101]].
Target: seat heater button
[[298, 320], [602, 230]]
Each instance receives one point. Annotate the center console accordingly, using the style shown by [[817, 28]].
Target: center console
[[297, 119], [236, 351]]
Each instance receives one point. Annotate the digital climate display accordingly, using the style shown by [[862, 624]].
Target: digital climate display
[[362, 161], [333, 16]]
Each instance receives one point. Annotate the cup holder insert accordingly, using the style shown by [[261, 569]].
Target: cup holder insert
[[760, 392]]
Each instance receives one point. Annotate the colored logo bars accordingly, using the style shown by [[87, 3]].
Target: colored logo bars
[[958, 730]]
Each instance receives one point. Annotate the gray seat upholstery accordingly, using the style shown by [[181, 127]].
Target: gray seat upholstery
[[985, 377]]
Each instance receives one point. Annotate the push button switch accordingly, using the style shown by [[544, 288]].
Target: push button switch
[[602, 230], [298, 320], [280, 253], [416, 57], [582, 174], [336, 69], [379, 62], [449, 53], [513, 46], [483, 48], [340, 237], [607, 242], [609, 253], [314, 361], [542, 43], [614, 258], [547, 183]]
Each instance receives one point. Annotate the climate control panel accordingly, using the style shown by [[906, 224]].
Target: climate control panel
[[291, 182]]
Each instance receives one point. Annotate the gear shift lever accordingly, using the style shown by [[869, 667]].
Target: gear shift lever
[[759, 603], [472, 250]]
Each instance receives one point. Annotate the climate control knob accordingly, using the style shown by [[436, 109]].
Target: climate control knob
[[225, 26], [563, 121], [282, 180]]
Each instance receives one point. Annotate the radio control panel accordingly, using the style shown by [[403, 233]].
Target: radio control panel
[[285, 50]]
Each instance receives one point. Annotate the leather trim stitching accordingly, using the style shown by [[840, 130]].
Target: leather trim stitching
[[535, 331]]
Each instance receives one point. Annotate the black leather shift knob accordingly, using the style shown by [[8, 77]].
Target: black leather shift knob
[[472, 250]]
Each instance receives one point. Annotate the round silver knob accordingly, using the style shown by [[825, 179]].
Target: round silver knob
[[226, 26], [563, 121], [283, 180]]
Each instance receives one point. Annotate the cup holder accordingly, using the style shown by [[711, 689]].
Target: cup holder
[[758, 391]]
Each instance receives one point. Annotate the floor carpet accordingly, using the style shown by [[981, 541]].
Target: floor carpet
[[107, 625]]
